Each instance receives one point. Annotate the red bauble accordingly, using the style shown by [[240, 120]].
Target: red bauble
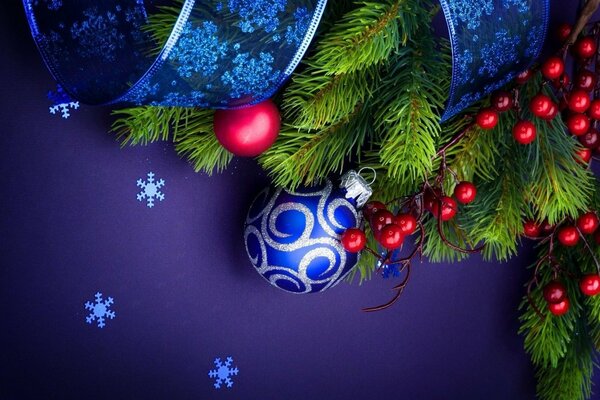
[[391, 237], [594, 110], [553, 68], [568, 236], [578, 124], [371, 208], [590, 285], [406, 222], [555, 292], [563, 31], [579, 101], [380, 219], [249, 131], [449, 208], [561, 308], [583, 155], [523, 77], [501, 101], [353, 240], [585, 47], [541, 105], [487, 118], [585, 80], [588, 223], [591, 139], [465, 192], [524, 132], [531, 229]]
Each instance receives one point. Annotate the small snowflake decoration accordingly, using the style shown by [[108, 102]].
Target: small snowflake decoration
[[150, 190], [62, 103], [223, 372], [99, 310]]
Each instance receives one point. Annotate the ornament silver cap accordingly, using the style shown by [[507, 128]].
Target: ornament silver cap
[[357, 187]]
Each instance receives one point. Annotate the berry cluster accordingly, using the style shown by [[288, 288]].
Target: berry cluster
[[579, 98], [556, 296], [391, 229], [568, 233]]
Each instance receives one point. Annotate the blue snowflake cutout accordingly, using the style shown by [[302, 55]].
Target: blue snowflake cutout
[[150, 190], [99, 310], [223, 372], [61, 102]]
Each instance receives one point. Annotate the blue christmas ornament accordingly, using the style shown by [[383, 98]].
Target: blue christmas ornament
[[293, 237], [219, 53]]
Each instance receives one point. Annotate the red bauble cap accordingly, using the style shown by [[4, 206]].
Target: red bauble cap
[[249, 131]]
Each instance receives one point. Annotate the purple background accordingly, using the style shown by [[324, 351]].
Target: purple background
[[184, 291]]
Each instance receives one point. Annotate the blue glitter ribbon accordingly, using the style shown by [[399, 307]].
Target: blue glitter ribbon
[[232, 53], [492, 41], [219, 54]]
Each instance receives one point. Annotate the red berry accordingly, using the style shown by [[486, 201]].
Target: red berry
[[590, 285], [583, 155], [585, 80], [380, 219], [449, 208], [554, 292], [559, 309], [487, 118], [578, 124], [353, 240], [431, 198], [523, 77], [553, 68], [371, 208], [551, 113], [594, 110], [465, 192], [540, 105], [568, 236], [579, 101], [591, 139], [391, 237], [406, 222], [563, 31], [585, 47], [531, 229], [588, 223], [547, 227], [524, 132], [501, 101]]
